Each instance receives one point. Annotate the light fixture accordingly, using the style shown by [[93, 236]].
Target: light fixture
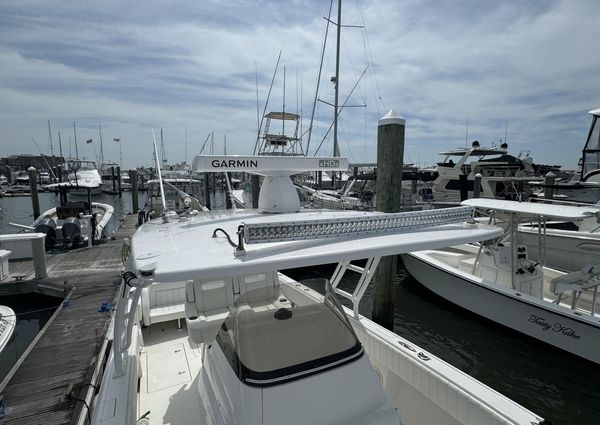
[[336, 227]]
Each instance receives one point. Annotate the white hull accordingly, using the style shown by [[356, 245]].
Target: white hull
[[84, 191], [104, 211], [547, 322], [8, 320], [565, 250]]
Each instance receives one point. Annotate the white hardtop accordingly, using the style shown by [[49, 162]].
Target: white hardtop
[[81, 183], [184, 249], [533, 209], [595, 112]]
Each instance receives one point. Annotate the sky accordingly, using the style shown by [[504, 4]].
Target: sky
[[525, 69]]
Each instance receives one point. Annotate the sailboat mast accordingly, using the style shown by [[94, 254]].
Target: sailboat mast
[[101, 147], [283, 126], [75, 135], [336, 147], [51, 147], [60, 147]]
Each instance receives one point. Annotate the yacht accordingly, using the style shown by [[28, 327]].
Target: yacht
[[207, 330], [585, 184], [502, 175], [500, 280], [83, 178], [180, 189]]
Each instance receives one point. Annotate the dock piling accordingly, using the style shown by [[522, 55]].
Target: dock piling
[[477, 186], [390, 162], [254, 181], [119, 181], [548, 183], [134, 190], [207, 190], [35, 201]]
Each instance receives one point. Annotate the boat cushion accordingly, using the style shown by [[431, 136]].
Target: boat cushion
[[162, 302], [585, 278]]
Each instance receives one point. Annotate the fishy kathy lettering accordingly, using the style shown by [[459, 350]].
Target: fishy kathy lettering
[[555, 327]]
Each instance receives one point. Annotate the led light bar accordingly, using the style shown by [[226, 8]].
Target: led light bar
[[331, 228]]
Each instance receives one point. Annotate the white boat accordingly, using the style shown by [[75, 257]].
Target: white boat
[[83, 178], [502, 175], [73, 223], [8, 319], [207, 331], [585, 184], [500, 280]]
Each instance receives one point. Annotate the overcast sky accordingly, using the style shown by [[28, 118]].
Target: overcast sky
[[192, 67]]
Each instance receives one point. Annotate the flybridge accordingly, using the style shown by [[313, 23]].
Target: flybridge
[[277, 193], [268, 165]]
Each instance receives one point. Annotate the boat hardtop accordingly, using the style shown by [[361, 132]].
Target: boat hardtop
[[534, 209], [183, 248]]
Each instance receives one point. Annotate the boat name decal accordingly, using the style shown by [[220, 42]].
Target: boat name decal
[[555, 327], [324, 163], [246, 163]]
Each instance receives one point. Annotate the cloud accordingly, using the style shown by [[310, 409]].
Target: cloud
[[191, 67]]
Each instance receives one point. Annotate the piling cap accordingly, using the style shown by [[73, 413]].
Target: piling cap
[[391, 118]]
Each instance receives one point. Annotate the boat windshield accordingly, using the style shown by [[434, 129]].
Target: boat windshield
[[269, 339]]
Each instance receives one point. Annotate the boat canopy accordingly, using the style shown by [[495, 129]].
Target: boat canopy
[[190, 247], [533, 209], [283, 116]]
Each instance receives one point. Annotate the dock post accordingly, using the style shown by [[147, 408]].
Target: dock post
[[548, 183], [477, 186], [119, 181], [38, 250], [390, 162], [33, 189], [59, 172], [463, 187], [134, 190], [319, 180], [112, 178], [254, 181], [207, 190]]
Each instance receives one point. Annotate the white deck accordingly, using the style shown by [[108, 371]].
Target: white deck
[[171, 365]]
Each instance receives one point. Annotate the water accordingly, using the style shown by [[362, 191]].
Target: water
[[560, 387], [33, 311]]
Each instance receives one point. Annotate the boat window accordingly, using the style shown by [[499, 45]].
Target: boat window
[[269, 340], [591, 152]]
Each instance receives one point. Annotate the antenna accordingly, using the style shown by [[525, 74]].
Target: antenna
[[467, 132], [506, 132], [336, 147], [51, 147], [185, 145], [101, 147], [44, 158], [283, 121], [266, 104], [160, 183]]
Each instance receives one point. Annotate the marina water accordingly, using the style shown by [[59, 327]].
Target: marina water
[[560, 387]]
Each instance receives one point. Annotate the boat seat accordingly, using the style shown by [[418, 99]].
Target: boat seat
[[586, 278], [209, 301], [162, 302]]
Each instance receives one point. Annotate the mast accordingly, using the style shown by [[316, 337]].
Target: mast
[[101, 147], [75, 135], [51, 147], [162, 148], [60, 147], [283, 125], [336, 148]]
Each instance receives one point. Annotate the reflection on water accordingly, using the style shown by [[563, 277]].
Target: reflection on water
[[558, 386], [33, 311]]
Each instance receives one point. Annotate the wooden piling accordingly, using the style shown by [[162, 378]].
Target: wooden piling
[[255, 182], [390, 162], [207, 190], [119, 181], [33, 189], [477, 186], [463, 186], [133, 175], [112, 178], [548, 183]]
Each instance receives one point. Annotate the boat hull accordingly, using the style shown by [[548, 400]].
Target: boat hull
[[547, 323]]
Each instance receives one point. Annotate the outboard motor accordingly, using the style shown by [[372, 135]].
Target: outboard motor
[[71, 230], [47, 226]]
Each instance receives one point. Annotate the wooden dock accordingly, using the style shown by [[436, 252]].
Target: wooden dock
[[56, 374]]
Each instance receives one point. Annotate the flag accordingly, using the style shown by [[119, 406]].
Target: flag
[[88, 141], [117, 140]]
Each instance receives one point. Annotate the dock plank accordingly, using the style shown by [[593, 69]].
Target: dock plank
[[68, 350]]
